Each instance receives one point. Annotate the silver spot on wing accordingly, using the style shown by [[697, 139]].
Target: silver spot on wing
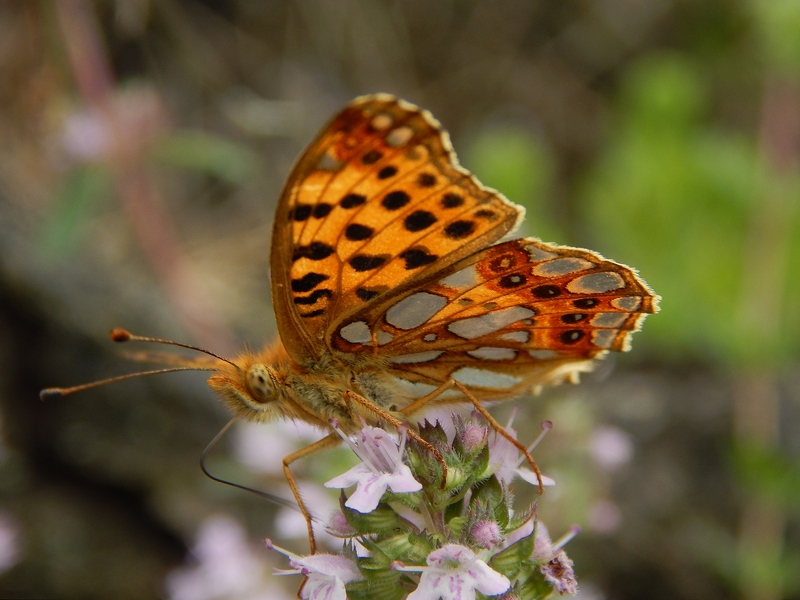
[[596, 283], [485, 378], [516, 336], [492, 353], [562, 266], [490, 322], [543, 354], [415, 310], [381, 121], [417, 357], [538, 255], [613, 319], [356, 333], [604, 338], [627, 302], [463, 278], [399, 137], [384, 337]]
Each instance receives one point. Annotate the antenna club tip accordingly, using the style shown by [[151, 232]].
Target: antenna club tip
[[50, 393], [120, 335]]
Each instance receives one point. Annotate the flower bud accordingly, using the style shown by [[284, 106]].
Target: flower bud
[[485, 534]]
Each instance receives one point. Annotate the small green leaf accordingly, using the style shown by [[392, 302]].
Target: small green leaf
[[201, 151], [80, 192]]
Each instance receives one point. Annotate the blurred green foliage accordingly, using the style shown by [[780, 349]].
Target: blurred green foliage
[[520, 166], [778, 31], [206, 153], [675, 196], [82, 188]]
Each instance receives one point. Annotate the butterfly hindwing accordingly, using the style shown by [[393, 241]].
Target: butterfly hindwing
[[521, 313]]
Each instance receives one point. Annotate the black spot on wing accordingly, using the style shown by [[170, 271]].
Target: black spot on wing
[[451, 200], [419, 220], [511, 281], [426, 180], [573, 318], [301, 212], [366, 294], [371, 157], [546, 291], [586, 303], [367, 262], [387, 171], [356, 232], [313, 313], [484, 213], [308, 282], [458, 230], [571, 337], [314, 297], [352, 200], [417, 257], [314, 251], [322, 210], [395, 200]]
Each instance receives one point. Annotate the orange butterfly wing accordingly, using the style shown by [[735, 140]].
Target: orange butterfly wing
[[515, 315], [382, 251], [374, 205]]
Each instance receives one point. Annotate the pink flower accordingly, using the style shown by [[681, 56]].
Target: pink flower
[[326, 574], [505, 459], [454, 573], [559, 573], [381, 468]]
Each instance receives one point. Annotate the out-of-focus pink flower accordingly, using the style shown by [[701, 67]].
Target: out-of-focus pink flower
[[226, 566], [610, 447], [10, 546], [505, 459]]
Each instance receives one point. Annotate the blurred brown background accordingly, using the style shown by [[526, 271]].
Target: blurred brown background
[[143, 146]]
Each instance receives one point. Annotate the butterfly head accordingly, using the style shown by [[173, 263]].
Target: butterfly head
[[251, 386]]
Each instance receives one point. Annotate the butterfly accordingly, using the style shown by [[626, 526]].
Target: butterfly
[[393, 292]]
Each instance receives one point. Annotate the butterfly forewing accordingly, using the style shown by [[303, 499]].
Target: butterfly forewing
[[376, 205]]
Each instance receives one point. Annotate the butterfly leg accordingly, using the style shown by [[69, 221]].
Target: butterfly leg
[[328, 441], [450, 384], [351, 395]]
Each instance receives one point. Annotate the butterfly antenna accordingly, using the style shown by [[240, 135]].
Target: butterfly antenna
[[271, 497], [49, 393], [123, 335]]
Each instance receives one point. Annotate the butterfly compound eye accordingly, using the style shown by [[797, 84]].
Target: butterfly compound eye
[[260, 383]]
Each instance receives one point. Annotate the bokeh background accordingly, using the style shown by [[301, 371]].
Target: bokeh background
[[143, 146]]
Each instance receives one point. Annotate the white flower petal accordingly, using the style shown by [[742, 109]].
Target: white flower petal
[[382, 467], [403, 482], [531, 477], [488, 581], [454, 572], [368, 494], [333, 565], [321, 587], [350, 477], [430, 587]]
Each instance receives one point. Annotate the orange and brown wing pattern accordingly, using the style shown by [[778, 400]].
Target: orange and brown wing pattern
[[519, 314], [376, 204]]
